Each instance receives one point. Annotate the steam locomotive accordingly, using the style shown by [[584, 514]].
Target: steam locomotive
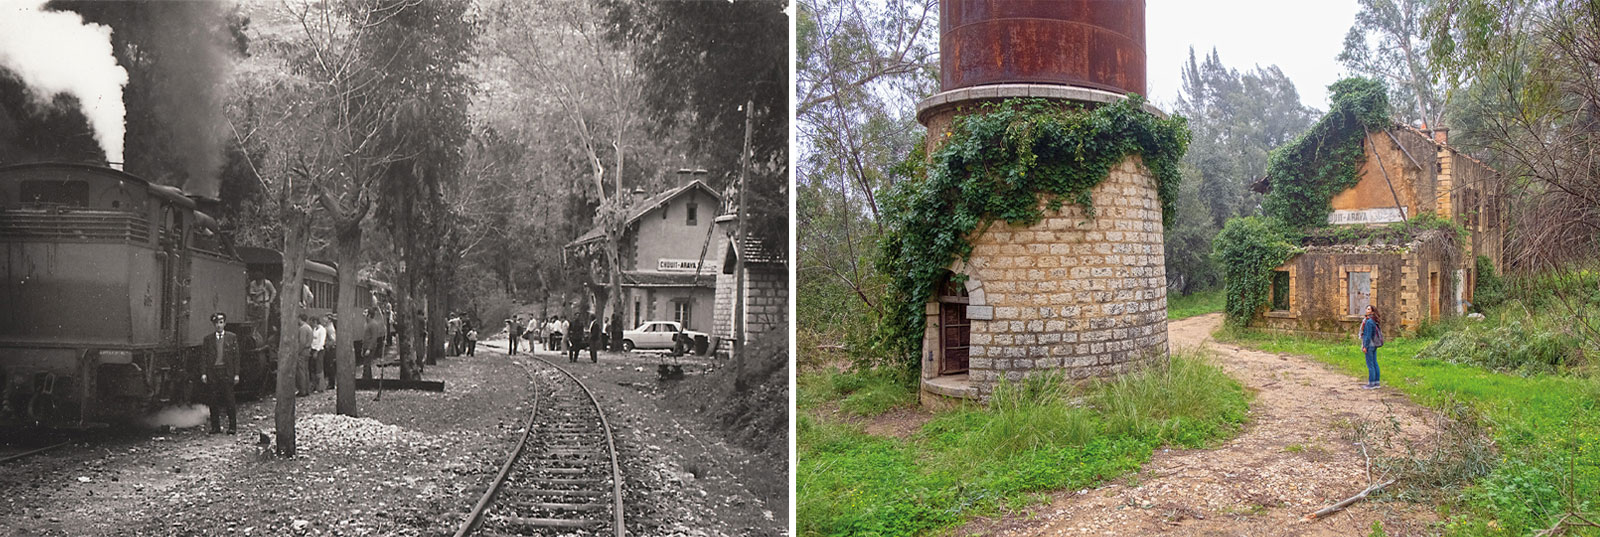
[[109, 282]]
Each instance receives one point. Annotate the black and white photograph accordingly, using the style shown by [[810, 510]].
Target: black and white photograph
[[395, 267]]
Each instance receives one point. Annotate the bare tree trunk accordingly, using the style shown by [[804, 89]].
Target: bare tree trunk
[[438, 326], [297, 230], [408, 330], [348, 246], [614, 289]]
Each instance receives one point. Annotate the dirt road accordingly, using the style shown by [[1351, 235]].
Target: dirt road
[[1293, 457]]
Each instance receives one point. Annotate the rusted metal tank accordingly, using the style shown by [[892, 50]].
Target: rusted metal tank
[[1091, 43]]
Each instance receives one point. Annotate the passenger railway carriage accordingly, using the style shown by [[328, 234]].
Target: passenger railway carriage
[[107, 285]]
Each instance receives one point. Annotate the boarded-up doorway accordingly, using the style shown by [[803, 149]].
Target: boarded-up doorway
[[1360, 292], [1435, 294]]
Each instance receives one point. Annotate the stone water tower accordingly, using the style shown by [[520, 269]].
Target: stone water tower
[[1082, 295]]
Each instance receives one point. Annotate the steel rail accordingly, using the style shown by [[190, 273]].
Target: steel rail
[[10, 458], [476, 516], [611, 447], [475, 519]]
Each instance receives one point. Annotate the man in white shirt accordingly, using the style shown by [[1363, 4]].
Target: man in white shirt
[[532, 333], [330, 350], [319, 341], [562, 327]]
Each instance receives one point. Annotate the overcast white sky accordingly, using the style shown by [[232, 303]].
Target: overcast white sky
[[1301, 37]]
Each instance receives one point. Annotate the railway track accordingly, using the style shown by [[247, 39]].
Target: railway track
[[562, 478], [11, 451]]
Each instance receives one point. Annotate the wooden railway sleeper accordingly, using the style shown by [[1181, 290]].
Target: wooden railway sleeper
[[560, 481], [556, 506], [557, 492], [552, 522]]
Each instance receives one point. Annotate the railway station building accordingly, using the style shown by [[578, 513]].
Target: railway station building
[[668, 256]]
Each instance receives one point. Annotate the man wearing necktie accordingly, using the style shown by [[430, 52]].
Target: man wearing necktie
[[220, 355]]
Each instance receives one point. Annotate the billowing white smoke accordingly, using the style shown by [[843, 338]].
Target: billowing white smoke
[[179, 417], [56, 52]]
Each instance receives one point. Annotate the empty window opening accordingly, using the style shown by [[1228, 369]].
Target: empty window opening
[[1280, 290]]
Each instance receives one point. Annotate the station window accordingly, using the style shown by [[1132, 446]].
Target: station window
[[681, 312], [692, 210], [1359, 292]]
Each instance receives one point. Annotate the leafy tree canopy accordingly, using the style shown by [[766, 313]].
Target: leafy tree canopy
[[704, 61]]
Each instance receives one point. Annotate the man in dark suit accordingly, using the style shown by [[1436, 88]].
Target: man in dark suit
[[219, 356]]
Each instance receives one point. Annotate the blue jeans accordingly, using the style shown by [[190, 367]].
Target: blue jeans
[[1372, 366]]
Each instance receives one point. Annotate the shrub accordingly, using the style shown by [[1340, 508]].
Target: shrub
[[1489, 291], [1520, 343], [1248, 249]]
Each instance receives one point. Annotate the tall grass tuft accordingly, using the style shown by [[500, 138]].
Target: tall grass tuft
[[1036, 413], [1184, 401], [861, 392]]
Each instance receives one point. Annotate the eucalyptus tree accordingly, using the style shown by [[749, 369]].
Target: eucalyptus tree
[[1235, 118], [426, 47], [557, 53], [1528, 76], [323, 104], [1389, 41], [861, 67]]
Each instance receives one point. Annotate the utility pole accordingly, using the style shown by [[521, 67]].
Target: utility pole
[[738, 237]]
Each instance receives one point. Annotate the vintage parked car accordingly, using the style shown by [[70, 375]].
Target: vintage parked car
[[658, 335]]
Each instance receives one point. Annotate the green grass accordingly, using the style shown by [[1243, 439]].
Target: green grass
[[1194, 304], [1037, 435], [1547, 428], [861, 393]]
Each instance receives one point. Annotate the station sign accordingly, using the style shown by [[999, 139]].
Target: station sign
[[677, 265]]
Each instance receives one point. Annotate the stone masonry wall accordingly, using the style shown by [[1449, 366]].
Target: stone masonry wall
[[1084, 295], [766, 299], [722, 317]]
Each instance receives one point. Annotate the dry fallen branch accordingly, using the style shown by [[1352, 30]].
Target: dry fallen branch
[[1346, 502], [1565, 523]]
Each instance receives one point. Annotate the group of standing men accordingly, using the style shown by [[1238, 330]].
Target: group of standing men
[[558, 334], [463, 335], [318, 366]]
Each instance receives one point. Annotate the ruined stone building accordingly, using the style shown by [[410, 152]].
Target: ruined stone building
[[1365, 256]]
